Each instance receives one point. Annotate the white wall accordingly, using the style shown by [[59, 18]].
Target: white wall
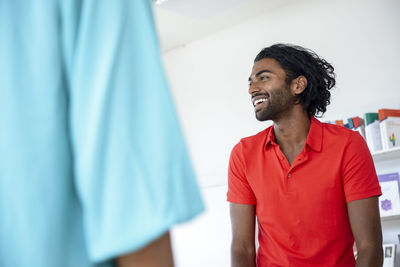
[[209, 82]]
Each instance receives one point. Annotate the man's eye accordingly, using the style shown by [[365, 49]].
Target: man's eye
[[263, 78]]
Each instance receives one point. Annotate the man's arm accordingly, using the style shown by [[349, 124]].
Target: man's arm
[[156, 254], [243, 251], [366, 226]]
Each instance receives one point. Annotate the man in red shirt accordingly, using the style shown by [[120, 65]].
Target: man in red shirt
[[312, 186]]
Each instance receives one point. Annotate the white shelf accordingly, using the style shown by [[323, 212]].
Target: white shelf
[[393, 153], [390, 218]]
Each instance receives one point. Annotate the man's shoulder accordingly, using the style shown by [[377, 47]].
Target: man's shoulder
[[256, 140], [337, 130], [339, 134]]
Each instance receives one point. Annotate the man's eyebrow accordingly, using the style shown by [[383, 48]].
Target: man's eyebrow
[[259, 73]]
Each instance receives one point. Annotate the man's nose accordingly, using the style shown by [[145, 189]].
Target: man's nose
[[253, 88]]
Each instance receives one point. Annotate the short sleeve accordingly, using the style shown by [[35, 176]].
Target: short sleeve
[[133, 174], [358, 172], [239, 190]]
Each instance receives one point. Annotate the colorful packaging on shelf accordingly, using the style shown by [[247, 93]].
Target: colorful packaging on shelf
[[389, 123], [350, 123], [373, 132], [359, 126], [339, 122]]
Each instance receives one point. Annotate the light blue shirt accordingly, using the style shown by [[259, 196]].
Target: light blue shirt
[[92, 159]]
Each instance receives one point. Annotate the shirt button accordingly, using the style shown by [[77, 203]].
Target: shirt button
[[289, 175]]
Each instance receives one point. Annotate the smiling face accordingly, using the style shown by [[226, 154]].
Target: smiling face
[[270, 93]]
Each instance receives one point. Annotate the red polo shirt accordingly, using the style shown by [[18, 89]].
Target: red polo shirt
[[301, 209]]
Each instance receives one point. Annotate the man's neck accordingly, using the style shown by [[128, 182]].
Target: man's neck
[[291, 130]]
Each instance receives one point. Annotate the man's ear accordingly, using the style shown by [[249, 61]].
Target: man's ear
[[298, 85]]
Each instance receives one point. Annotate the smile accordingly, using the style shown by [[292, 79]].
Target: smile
[[259, 101]]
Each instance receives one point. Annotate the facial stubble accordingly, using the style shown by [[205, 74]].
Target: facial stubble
[[278, 102]]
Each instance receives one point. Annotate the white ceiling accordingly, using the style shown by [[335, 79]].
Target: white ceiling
[[182, 21]]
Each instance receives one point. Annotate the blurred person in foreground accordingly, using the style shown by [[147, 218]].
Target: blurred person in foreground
[[93, 166], [312, 186]]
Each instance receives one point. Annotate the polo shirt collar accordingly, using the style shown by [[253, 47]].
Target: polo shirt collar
[[270, 136], [314, 137]]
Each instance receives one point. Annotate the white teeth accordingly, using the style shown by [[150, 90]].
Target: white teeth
[[258, 101]]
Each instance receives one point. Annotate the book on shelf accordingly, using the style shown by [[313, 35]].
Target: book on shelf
[[389, 255], [389, 201], [389, 123], [373, 132]]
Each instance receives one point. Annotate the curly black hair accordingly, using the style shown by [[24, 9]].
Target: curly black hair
[[296, 61]]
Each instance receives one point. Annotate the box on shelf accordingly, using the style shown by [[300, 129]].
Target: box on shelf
[[389, 123], [373, 132], [389, 255], [389, 201]]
